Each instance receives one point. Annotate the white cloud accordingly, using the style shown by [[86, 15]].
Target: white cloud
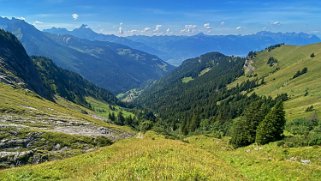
[[37, 22], [75, 16], [238, 28], [189, 29], [208, 27], [120, 29], [222, 23], [133, 31], [146, 29], [168, 30], [21, 18], [276, 23], [157, 28]]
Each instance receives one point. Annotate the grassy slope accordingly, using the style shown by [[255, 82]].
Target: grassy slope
[[268, 162], [152, 157], [27, 104], [291, 59], [103, 109], [149, 158]]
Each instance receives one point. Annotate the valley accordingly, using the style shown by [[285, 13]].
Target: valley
[[138, 90]]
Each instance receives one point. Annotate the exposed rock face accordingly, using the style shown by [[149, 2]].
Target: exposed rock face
[[20, 144], [248, 67], [63, 124]]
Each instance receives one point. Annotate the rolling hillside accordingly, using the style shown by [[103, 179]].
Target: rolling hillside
[[194, 95], [152, 157], [303, 91], [212, 94]]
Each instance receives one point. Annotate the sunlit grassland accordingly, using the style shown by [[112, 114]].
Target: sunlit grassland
[[187, 79], [269, 162], [304, 91], [104, 109], [203, 72], [24, 103], [150, 157]]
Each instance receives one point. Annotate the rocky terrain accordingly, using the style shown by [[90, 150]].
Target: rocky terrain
[[47, 137]]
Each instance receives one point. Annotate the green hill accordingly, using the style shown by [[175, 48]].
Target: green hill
[[193, 88], [215, 93], [47, 113], [194, 97], [41, 75], [69, 85], [16, 68], [303, 91]]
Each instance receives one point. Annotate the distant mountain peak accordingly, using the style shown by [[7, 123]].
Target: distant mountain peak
[[84, 26], [200, 34]]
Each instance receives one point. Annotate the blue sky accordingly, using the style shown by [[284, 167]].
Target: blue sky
[[152, 17]]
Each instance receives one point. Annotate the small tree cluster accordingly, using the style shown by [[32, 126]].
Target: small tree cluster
[[271, 128], [244, 129], [190, 125], [309, 109], [270, 48], [251, 54], [258, 125], [272, 61], [299, 73]]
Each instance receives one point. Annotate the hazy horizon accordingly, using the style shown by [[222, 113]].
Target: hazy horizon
[[141, 17]]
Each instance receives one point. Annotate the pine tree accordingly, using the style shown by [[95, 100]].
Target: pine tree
[[240, 133], [112, 117], [271, 128], [243, 131], [194, 123], [183, 127], [120, 119]]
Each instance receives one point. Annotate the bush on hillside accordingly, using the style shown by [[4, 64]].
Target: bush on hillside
[[301, 126], [272, 61], [299, 73]]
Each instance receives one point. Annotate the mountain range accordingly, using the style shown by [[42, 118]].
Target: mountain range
[[175, 49], [48, 113], [109, 65], [42, 76]]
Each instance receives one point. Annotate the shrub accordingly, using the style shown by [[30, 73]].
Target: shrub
[[301, 126], [145, 126], [312, 55]]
